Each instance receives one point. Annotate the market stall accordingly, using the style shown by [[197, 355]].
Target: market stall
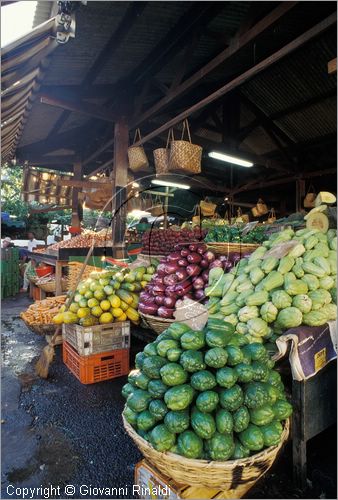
[[236, 256]]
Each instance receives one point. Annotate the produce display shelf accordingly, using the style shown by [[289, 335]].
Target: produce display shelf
[[52, 261], [65, 253]]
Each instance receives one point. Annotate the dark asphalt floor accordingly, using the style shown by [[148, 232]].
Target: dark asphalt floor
[[58, 431]]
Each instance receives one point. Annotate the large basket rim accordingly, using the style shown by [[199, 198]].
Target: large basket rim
[[156, 318], [230, 244], [196, 464], [40, 328]]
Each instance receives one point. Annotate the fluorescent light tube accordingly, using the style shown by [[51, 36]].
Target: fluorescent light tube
[[158, 182], [230, 159]]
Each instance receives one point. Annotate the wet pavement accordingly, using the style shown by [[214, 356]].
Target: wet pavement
[[59, 432]]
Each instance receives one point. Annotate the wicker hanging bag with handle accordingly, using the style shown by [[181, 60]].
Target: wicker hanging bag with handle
[[196, 218], [309, 200], [260, 208], [207, 208], [161, 156], [157, 209], [185, 157], [147, 202], [272, 216], [136, 155]]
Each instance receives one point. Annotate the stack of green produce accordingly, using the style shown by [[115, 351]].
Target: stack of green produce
[[107, 296], [206, 394], [264, 295], [233, 234]]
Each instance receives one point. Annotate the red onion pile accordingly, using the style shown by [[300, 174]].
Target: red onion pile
[[183, 273], [163, 241]]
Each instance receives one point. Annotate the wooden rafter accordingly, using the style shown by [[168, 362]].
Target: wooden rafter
[[81, 107], [82, 184], [265, 120]]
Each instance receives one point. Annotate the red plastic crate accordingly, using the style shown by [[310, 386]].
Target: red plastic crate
[[96, 367]]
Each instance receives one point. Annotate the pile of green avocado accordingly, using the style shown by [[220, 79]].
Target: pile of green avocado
[[206, 394]]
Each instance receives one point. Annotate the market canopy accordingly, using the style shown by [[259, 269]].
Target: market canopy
[[154, 60]]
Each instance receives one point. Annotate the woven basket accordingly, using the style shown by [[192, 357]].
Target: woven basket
[[137, 156], [184, 156], [162, 155], [158, 325], [33, 279], [41, 329], [231, 248], [234, 476], [51, 286], [151, 256]]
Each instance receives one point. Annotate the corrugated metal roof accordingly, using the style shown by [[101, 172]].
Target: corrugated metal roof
[[95, 23], [296, 78], [43, 12], [316, 121], [20, 84], [23, 63]]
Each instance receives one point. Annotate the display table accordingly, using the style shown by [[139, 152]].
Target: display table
[[312, 366], [314, 410], [51, 261]]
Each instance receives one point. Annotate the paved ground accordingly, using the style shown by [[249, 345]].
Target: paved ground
[[60, 432]]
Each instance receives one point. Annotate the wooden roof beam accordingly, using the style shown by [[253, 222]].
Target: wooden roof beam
[[265, 120], [271, 129], [84, 108], [235, 46], [253, 71]]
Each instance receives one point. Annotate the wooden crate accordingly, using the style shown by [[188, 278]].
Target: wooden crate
[[149, 483], [87, 340]]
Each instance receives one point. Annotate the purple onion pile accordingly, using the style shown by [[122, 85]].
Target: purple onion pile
[[183, 273]]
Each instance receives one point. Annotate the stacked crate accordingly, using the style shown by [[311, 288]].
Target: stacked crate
[[97, 353], [10, 272]]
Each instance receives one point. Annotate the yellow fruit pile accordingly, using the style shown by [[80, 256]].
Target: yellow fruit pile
[[74, 269], [107, 296]]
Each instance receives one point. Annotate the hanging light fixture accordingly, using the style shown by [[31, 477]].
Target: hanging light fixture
[[158, 182], [230, 159]]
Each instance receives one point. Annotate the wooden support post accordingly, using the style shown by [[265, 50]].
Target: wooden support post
[[166, 200], [121, 139], [76, 208], [300, 193]]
